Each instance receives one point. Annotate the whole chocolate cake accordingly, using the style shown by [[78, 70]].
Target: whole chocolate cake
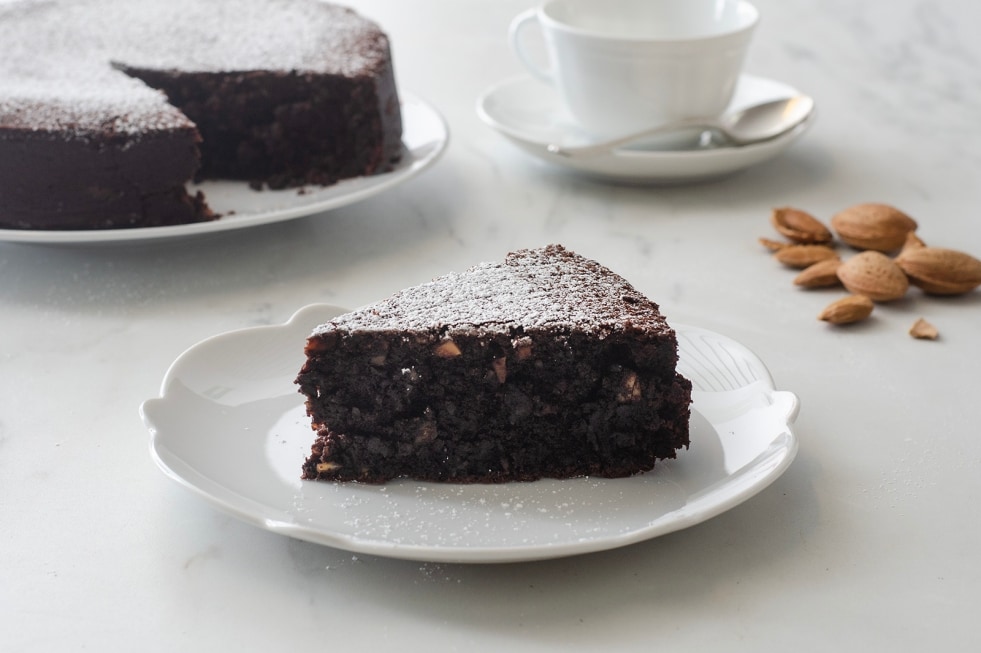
[[545, 365], [109, 107]]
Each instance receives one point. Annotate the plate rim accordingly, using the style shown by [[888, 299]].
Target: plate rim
[[758, 474], [432, 149]]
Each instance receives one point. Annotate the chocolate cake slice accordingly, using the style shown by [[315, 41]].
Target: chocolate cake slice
[[545, 365]]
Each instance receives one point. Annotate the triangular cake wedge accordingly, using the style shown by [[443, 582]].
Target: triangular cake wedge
[[547, 365]]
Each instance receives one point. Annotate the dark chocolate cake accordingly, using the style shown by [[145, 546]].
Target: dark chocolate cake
[[108, 107], [545, 365]]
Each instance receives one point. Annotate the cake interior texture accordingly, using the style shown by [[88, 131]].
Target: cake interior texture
[[281, 129], [108, 108], [545, 365], [103, 183]]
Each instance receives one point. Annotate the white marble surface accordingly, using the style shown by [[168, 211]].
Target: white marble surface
[[871, 541]]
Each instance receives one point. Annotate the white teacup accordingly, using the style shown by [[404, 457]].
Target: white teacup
[[625, 65]]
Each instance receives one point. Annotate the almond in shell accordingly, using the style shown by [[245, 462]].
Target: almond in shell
[[879, 227], [800, 226], [874, 275], [940, 271]]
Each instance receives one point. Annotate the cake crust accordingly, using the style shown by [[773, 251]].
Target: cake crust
[[545, 365]]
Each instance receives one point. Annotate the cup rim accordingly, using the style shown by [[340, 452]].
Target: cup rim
[[745, 5]]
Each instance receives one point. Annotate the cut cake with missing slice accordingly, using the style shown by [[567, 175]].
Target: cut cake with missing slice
[[108, 108], [547, 365]]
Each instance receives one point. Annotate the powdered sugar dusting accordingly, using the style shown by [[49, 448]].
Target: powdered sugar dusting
[[57, 56], [136, 110], [549, 287]]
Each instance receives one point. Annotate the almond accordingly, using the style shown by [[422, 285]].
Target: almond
[[874, 275], [800, 226], [912, 242], [822, 274], [923, 330], [847, 310], [878, 227], [447, 349], [772, 245], [940, 271], [500, 367], [802, 256]]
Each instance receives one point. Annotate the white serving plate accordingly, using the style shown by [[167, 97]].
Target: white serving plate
[[230, 426]]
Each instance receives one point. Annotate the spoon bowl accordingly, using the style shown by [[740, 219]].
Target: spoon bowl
[[752, 124]]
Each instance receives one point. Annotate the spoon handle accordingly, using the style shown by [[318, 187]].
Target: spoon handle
[[604, 147]]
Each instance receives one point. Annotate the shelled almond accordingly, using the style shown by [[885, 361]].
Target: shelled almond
[[853, 308], [822, 274], [891, 257]]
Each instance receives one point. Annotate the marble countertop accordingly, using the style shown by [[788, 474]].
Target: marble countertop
[[870, 541]]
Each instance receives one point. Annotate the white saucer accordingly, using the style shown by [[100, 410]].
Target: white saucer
[[232, 428], [424, 138], [529, 114]]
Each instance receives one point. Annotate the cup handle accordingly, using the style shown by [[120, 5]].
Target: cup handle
[[515, 31]]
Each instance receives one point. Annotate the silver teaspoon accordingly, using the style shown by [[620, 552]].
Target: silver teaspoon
[[753, 124]]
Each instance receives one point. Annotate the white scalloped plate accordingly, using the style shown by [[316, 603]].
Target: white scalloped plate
[[230, 426], [424, 138]]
